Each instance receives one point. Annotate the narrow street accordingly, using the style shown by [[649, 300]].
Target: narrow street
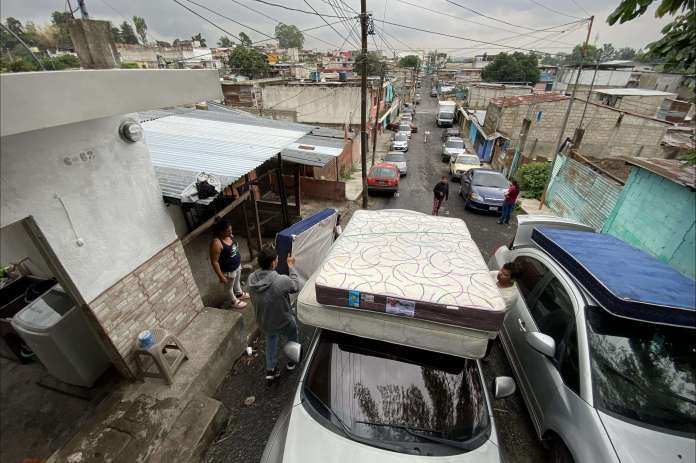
[[245, 434]]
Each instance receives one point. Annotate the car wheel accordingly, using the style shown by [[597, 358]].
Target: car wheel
[[558, 452]]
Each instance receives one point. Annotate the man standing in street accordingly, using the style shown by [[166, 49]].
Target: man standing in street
[[440, 193], [509, 202], [270, 294]]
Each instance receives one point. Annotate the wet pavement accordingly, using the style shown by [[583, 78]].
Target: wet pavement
[[245, 435]]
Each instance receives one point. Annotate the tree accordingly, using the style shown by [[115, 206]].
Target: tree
[[374, 64], [140, 28], [289, 36], [60, 22], [66, 61], [198, 37], [116, 34], [244, 39], [128, 34], [608, 52], [576, 56], [625, 53], [515, 67], [676, 47], [410, 61], [248, 62], [225, 42], [163, 44]]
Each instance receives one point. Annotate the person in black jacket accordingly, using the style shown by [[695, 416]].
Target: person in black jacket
[[440, 193]]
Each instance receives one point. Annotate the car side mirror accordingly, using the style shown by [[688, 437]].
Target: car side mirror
[[542, 343], [504, 386], [294, 351]]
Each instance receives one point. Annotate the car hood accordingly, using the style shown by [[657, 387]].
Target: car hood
[[489, 192], [637, 444], [308, 441], [452, 151], [463, 167]]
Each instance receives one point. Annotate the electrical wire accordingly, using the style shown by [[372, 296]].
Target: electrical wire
[[552, 10], [492, 18], [327, 23], [230, 19], [292, 9], [581, 7], [206, 20]]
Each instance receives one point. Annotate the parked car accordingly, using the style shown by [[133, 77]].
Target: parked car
[[405, 128], [461, 163], [417, 98], [483, 189], [451, 132], [600, 386], [453, 146], [397, 158], [433, 92], [383, 177], [400, 142], [374, 402]]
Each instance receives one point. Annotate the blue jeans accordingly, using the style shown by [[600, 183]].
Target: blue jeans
[[289, 331], [507, 212]]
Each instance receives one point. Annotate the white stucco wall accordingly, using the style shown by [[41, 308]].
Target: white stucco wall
[[112, 196], [330, 104]]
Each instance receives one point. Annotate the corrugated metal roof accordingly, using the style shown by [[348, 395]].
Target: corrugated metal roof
[[632, 92], [528, 99], [679, 172], [225, 145]]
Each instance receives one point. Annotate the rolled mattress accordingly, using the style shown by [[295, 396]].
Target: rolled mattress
[[412, 265]]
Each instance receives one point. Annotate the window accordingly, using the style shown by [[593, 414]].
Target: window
[[531, 273], [569, 360], [553, 310]]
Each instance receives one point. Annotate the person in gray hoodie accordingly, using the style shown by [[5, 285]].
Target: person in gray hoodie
[[270, 293]]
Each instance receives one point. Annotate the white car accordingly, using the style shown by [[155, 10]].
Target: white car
[[367, 401], [398, 159], [453, 146], [400, 142], [461, 163], [405, 128]]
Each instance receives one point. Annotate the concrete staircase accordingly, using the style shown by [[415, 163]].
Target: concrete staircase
[[152, 422]]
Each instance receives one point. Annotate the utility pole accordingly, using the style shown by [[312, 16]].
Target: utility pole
[[580, 132], [363, 100], [567, 114], [379, 102], [83, 9]]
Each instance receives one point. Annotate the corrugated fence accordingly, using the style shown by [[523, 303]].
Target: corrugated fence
[[578, 192]]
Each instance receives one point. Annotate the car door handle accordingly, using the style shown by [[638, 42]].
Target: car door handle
[[522, 325]]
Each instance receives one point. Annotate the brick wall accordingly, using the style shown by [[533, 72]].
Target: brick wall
[[607, 132], [161, 292], [345, 163], [478, 96]]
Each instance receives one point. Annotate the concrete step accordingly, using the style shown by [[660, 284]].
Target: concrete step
[[194, 430]]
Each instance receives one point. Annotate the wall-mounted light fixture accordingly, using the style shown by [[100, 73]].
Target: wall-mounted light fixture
[[131, 131]]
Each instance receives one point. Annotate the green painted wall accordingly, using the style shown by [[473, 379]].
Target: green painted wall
[[658, 216]]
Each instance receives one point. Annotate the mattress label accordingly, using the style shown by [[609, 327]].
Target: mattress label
[[354, 298], [401, 307]]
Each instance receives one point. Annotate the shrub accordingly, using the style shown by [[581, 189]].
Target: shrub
[[532, 178]]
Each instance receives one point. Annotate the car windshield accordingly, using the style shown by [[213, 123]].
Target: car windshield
[[490, 179], [397, 397], [643, 371], [456, 144], [395, 158], [468, 159], [400, 137], [404, 128], [382, 172]]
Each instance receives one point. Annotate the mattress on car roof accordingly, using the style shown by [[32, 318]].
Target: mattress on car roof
[[409, 264], [412, 332]]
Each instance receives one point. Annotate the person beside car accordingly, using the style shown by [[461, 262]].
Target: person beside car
[[505, 282], [509, 203], [270, 295]]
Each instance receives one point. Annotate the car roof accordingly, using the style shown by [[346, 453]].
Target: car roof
[[383, 164], [454, 139], [486, 169]]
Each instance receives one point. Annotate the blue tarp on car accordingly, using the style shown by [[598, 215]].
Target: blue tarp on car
[[626, 281]]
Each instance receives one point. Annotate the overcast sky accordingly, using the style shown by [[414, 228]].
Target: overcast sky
[[167, 20]]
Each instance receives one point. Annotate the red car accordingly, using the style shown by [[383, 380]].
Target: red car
[[383, 177], [394, 126]]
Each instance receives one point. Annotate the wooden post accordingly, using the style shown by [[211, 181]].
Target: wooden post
[[281, 192], [257, 221], [297, 188]]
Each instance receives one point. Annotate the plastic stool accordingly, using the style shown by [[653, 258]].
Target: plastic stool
[[165, 369]]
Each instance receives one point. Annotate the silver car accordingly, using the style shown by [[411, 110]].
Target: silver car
[[398, 159], [400, 142], [599, 388], [367, 401]]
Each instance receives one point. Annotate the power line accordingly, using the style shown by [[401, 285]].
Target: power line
[[461, 37], [492, 18], [206, 20], [230, 19], [552, 10], [324, 19], [581, 7], [292, 9]]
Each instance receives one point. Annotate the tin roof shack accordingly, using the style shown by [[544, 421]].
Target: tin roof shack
[[244, 93], [479, 95], [78, 174], [659, 191], [609, 132], [634, 100]]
